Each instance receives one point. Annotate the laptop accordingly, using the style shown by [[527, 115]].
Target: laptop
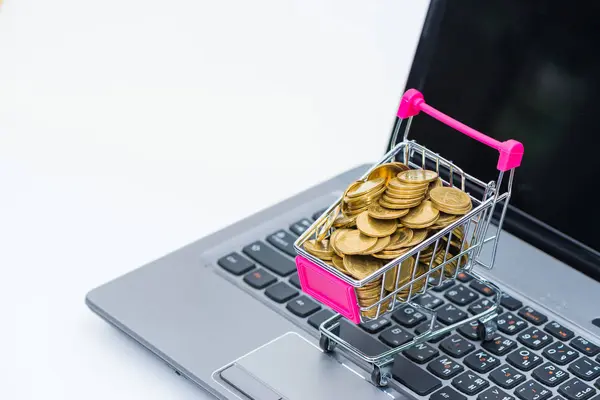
[[227, 311]]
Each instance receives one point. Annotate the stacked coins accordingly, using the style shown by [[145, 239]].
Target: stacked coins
[[384, 217]]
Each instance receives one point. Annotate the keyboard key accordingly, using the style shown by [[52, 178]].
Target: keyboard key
[[482, 288], [559, 331], [499, 345], [421, 353], [456, 346], [532, 316], [447, 393], [316, 215], [408, 317], [461, 295], [524, 359], [464, 277], [259, 279], [395, 336], [483, 305], [281, 292], [376, 326], [235, 263], [585, 368], [560, 353], [557, 398], [510, 302], [284, 241], [506, 376], [576, 389], [414, 377], [301, 226], [510, 324], [295, 280], [270, 258], [450, 314], [531, 390], [585, 346], [534, 338], [470, 383], [494, 393], [481, 361], [598, 383], [445, 367], [470, 330], [317, 319], [549, 374], [425, 327], [447, 284], [303, 306], [428, 300]]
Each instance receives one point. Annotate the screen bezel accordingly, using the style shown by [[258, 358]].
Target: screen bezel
[[518, 223]]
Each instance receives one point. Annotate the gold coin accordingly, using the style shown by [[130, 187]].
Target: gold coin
[[320, 249], [417, 176], [366, 187], [450, 197], [343, 221], [375, 227], [392, 206], [445, 219], [361, 266], [418, 236], [382, 242], [404, 195], [353, 213], [338, 262], [377, 211], [369, 294], [323, 229], [406, 269], [387, 171], [421, 215], [403, 235], [402, 202], [454, 211], [354, 202], [352, 242], [396, 184], [332, 240], [432, 185], [372, 313], [421, 226], [391, 254]]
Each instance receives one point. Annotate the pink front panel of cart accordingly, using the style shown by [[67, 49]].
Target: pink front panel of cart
[[328, 289]]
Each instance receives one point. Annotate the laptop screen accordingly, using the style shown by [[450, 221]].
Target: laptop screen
[[527, 70]]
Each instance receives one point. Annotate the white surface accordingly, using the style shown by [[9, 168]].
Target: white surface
[[129, 128]]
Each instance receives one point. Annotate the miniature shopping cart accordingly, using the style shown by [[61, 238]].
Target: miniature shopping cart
[[337, 290]]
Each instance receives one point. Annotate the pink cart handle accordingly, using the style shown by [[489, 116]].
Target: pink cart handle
[[511, 151]]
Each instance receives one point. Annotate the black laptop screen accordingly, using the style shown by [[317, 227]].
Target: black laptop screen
[[528, 70]]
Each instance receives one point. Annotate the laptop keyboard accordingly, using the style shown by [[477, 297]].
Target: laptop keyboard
[[530, 357]]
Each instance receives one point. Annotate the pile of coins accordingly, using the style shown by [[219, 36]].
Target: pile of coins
[[384, 217]]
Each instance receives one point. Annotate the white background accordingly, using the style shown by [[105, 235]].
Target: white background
[[129, 128]]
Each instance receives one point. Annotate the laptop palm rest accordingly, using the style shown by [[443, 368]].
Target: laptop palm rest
[[292, 368]]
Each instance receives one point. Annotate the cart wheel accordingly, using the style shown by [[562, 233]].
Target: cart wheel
[[486, 330], [378, 377], [326, 344]]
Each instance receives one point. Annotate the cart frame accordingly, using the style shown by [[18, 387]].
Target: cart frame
[[337, 290]]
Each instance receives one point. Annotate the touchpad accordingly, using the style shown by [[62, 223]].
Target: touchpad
[[292, 368]]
